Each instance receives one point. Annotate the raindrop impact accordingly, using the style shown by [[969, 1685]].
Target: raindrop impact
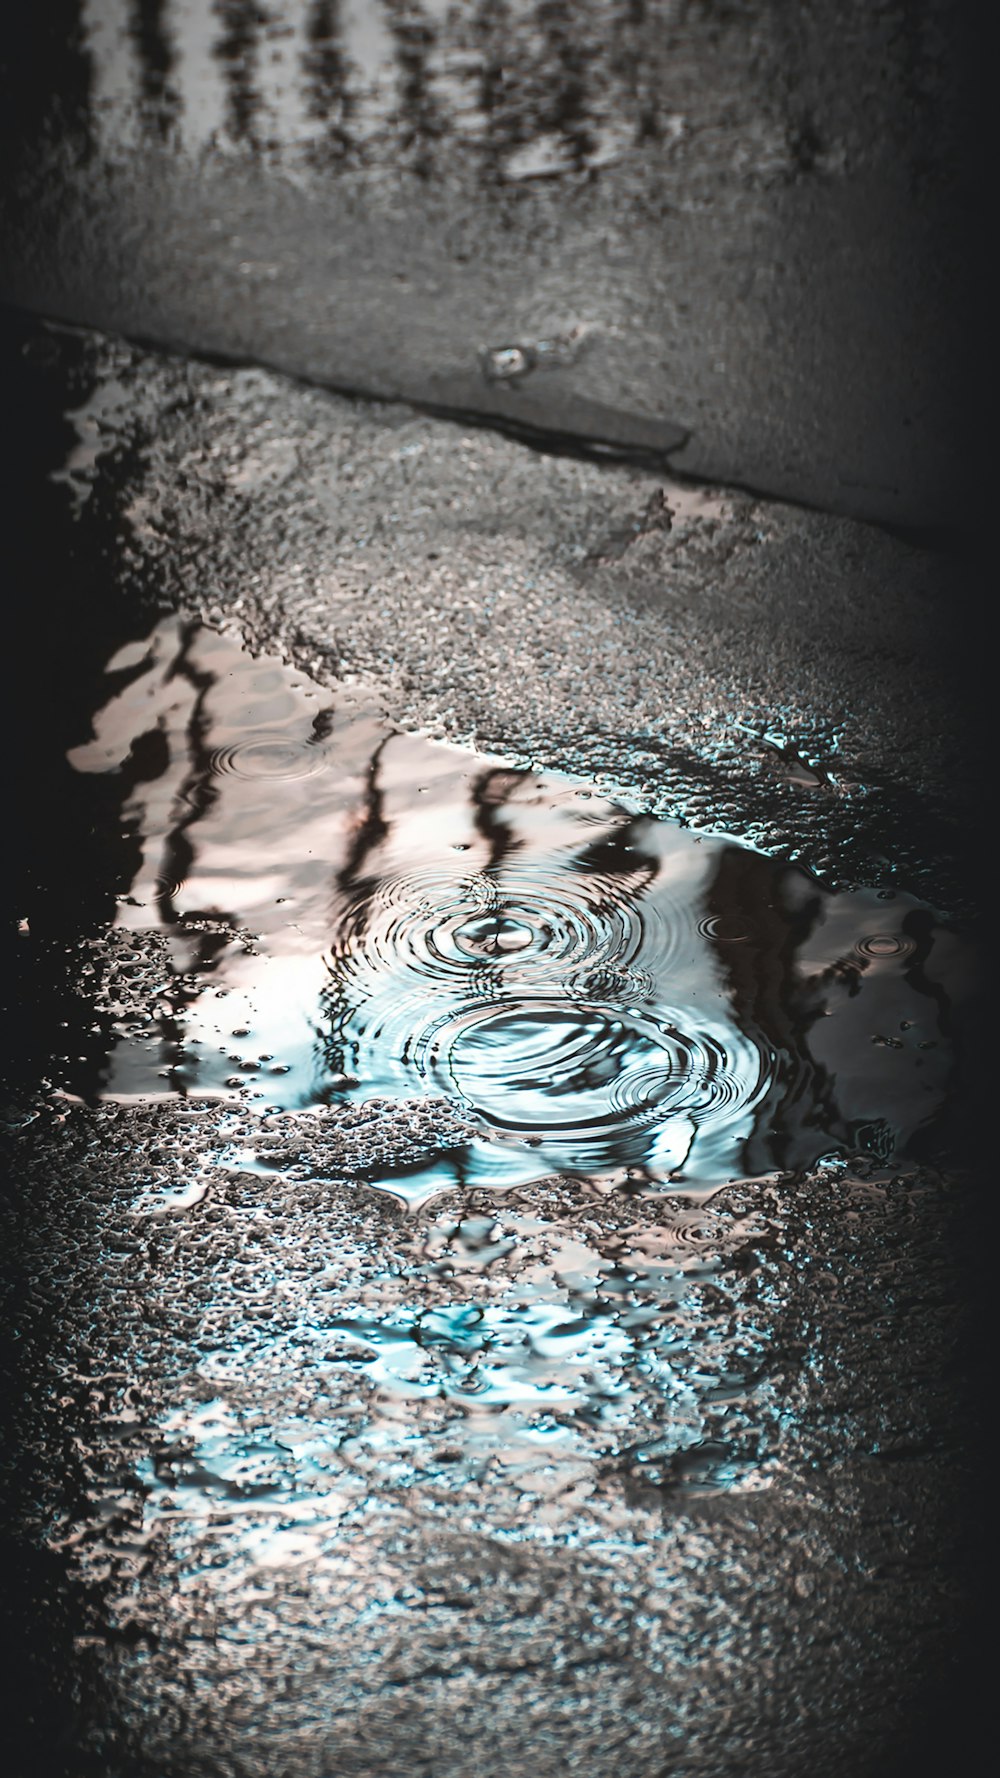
[[595, 992]]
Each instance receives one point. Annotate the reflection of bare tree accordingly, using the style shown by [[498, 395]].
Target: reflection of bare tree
[[619, 855], [950, 1132], [238, 49], [491, 792], [564, 102], [414, 38], [199, 792], [761, 921], [756, 931], [154, 47], [918, 925], [329, 99], [354, 879], [197, 796]]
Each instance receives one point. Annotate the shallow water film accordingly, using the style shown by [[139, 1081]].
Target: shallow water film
[[341, 912]]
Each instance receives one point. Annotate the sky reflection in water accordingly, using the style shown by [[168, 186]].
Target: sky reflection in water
[[354, 913]]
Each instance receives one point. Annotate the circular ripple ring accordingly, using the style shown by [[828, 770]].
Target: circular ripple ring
[[267, 756]]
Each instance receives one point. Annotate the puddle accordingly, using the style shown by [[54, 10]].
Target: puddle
[[338, 912]]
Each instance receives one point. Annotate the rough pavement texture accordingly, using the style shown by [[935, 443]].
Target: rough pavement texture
[[567, 1480], [721, 1538], [786, 676], [563, 1481]]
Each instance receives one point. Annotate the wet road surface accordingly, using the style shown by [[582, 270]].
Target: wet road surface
[[326, 1455], [709, 233]]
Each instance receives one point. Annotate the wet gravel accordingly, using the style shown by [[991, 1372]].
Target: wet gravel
[[261, 1554]]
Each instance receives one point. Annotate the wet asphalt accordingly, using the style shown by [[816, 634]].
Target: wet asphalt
[[577, 386]]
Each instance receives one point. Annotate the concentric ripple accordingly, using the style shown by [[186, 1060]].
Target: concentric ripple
[[268, 756], [714, 926], [534, 997], [590, 1082], [883, 947], [537, 929], [593, 990]]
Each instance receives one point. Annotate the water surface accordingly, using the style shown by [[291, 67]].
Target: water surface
[[345, 912]]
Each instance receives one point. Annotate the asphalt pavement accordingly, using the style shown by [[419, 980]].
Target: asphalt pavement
[[573, 386]]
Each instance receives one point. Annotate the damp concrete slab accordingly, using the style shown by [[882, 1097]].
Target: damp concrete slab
[[726, 240]]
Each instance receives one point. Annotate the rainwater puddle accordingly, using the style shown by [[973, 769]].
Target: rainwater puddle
[[335, 912]]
